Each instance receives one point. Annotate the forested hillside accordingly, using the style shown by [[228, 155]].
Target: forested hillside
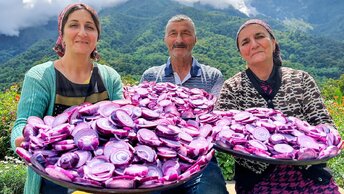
[[132, 40], [319, 16]]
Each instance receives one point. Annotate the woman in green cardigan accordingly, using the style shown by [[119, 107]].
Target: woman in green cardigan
[[75, 78]]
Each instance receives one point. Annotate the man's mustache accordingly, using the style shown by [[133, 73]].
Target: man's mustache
[[180, 45]]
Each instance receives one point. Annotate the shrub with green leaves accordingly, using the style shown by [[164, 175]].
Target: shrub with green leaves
[[12, 176], [129, 80], [8, 107], [336, 164], [226, 163]]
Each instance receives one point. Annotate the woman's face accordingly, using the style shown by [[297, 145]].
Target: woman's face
[[80, 33], [180, 39], [256, 45]]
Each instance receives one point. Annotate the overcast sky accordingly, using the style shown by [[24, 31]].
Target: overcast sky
[[19, 14]]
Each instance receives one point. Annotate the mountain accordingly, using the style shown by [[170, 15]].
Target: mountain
[[319, 17], [11, 45], [132, 40]]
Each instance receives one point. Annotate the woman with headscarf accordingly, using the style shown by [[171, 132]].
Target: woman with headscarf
[[266, 83], [74, 78]]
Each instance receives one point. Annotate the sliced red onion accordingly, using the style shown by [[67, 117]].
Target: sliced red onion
[[136, 170], [83, 156], [120, 157], [121, 117], [149, 114], [121, 182], [146, 153], [86, 139], [68, 160], [154, 171], [59, 173], [60, 119], [148, 137], [48, 120], [261, 133], [306, 154], [111, 146], [23, 153], [277, 138], [100, 172], [64, 147], [89, 110], [150, 182], [60, 129], [307, 142], [242, 116], [34, 120], [283, 148], [257, 144]]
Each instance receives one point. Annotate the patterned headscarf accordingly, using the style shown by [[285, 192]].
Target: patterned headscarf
[[277, 59], [59, 47]]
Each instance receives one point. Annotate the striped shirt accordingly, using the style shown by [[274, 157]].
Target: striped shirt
[[69, 94], [202, 76]]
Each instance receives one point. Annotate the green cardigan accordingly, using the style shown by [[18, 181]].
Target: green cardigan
[[38, 98]]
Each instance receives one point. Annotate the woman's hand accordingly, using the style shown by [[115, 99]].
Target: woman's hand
[[18, 141]]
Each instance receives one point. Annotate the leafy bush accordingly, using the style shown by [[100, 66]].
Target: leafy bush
[[337, 164], [12, 176], [8, 106], [334, 90], [129, 80], [226, 163]]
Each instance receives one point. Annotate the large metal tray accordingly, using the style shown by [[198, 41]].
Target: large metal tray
[[269, 160]]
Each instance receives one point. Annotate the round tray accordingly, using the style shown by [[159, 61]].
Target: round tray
[[270, 160], [104, 190]]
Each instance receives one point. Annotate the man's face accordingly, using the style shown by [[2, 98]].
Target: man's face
[[180, 39]]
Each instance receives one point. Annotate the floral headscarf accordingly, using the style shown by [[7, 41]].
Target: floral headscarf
[[59, 47], [277, 59]]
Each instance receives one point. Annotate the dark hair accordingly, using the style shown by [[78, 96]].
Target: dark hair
[[79, 7]]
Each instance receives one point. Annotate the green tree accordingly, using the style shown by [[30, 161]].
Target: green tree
[[334, 89]]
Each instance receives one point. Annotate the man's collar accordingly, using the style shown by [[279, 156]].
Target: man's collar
[[194, 72]]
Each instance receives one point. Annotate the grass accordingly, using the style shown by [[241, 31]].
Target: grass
[[12, 176], [336, 109]]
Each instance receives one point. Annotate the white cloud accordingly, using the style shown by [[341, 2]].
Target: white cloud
[[241, 5], [19, 14]]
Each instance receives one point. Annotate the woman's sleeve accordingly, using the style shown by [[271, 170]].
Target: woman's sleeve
[[117, 87], [33, 101], [227, 99], [114, 83], [314, 107]]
